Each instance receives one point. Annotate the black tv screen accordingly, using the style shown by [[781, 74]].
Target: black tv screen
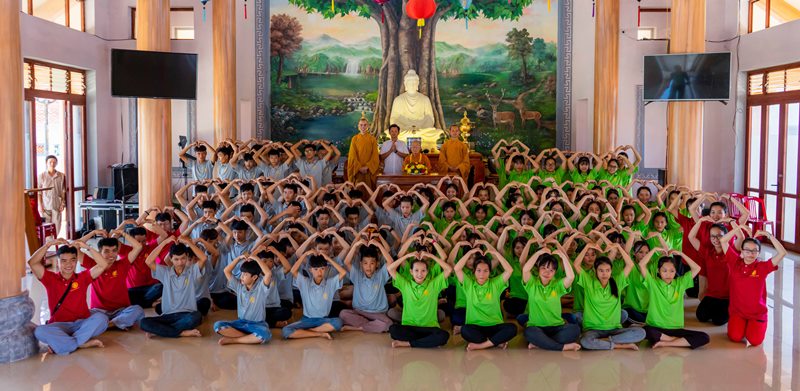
[[144, 74], [692, 76]]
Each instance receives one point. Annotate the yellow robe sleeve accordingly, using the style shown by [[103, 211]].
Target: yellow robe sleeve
[[454, 154]]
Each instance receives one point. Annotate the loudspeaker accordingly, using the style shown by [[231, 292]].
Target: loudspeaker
[[126, 180]]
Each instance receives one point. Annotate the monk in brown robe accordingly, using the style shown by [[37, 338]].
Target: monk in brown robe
[[363, 158], [454, 155]]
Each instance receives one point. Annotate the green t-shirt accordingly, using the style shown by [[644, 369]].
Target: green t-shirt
[[576, 177], [577, 291], [636, 295], [483, 301], [516, 287], [505, 177], [544, 302], [602, 310], [673, 237], [420, 301], [461, 297], [558, 175], [666, 301]]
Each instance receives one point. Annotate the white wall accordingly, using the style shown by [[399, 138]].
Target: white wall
[[723, 139], [107, 116]]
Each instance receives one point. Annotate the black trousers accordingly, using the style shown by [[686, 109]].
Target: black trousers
[[497, 334], [696, 339], [144, 296], [714, 310], [278, 314], [515, 306], [419, 337], [203, 305], [224, 300]]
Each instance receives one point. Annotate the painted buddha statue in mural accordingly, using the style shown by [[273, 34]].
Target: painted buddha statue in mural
[[413, 112]]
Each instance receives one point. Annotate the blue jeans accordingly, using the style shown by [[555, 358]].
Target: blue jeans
[[259, 329], [592, 339], [306, 323], [66, 337], [171, 325], [123, 318]]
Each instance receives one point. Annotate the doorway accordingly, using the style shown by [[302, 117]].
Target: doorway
[[773, 119], [55, 124]]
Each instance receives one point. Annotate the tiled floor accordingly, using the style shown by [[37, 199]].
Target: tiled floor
[[354, 361]]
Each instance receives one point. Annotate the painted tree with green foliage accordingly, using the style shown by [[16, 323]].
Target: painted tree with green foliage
[[402, 47], [520, 46]]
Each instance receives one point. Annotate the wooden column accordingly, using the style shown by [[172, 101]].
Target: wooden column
[[606, 75], [685, 119], [223, 17], [12, 214], [155, 115]]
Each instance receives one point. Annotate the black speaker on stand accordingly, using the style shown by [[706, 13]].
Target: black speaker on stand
[[126, 181]]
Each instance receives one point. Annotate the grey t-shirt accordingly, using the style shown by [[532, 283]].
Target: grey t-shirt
[[317, 299], [201, 171], [251, 304], [179, 293], [368, 293]]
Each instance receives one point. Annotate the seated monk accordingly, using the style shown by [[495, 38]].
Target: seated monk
[[362, 160], [454, 156], [416, 156]]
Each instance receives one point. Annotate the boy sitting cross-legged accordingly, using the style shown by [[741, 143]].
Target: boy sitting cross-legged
[[317, 295], [252, 292]]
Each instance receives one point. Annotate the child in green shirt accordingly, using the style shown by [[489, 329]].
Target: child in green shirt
[[484, 326], [665, 311], [419, 326], [546, 329], [602, 306]]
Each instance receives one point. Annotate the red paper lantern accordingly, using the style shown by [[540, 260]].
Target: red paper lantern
[[381, 3], [420, 10]]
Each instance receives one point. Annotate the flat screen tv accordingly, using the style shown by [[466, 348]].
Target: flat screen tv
[[686, 77], [145, 74]]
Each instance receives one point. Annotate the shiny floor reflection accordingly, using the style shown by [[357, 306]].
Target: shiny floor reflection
[[354, 361]]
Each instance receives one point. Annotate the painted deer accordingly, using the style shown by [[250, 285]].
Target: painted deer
[[501, 117], [524, 114]]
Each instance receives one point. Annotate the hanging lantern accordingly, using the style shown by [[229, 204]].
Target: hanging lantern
[[465, 5], [381, 3], [204, 9], [245, 9], [548, 5], [420, 10]]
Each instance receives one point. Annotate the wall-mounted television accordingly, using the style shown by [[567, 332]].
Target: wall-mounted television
[[145, 74], [687, 77]]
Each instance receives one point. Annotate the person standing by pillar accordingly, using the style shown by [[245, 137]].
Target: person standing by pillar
[[52, 202]]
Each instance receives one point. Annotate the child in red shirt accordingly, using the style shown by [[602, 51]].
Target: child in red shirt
[[748, 308], [71, 325]]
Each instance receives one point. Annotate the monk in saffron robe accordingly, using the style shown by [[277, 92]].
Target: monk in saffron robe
[[417, 157], [363, 158], [454, 155]]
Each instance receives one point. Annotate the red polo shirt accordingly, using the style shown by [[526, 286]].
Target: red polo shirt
[[74, 306], [109, 291], [139, 274], [714, 267], [749, 288], [165, 251]]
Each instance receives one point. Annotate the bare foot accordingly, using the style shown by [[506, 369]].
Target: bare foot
[[327, 335], [503, 345], [630, 346], [352, 328], [658, 344], [214, 308], [92, 343], [224, 341], [472, 346], [281, 324], [571, 347], [400, 344], [191, 333], [149, 335], [456, 330], [667, 338], [532, 346]]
